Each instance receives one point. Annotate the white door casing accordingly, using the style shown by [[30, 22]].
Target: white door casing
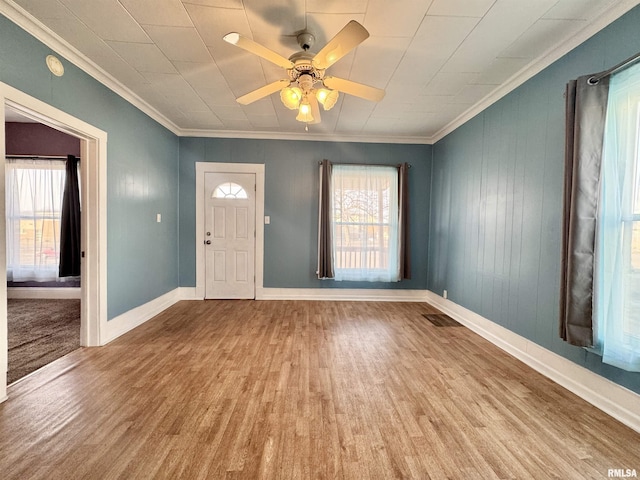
[[94, 220], [229, 235], [200, 266]]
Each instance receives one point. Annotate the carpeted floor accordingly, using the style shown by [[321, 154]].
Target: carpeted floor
[[40, 331]]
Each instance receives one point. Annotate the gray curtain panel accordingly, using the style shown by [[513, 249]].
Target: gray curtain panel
[[403, 221], [70, 222], [325, 240], [586, 107]]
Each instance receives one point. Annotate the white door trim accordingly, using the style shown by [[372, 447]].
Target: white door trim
[[212, 167], [94, 216]]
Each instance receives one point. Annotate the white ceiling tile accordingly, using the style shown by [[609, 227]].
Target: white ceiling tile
[[343, 6], [270, 19], [540, 37], [471, 94], [144, 57], [401, 20], [577, 9], [179, 43], [202, 120], [201, 75], [460, 8], [501, 26], [52, 9], [108, 19], [158, 12], [501, 69], [215, 3], [448, 83], [440, 37], [214, 23], [377, 59], [263, 121]]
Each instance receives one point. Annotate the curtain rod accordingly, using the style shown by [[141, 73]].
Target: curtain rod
[[624, 64], [37, 157], [369, 164]]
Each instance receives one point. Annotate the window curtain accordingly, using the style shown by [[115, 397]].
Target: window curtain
[[70, 222], [404, 250], [618, 294], [325, 224], [586, 106], [33, 208]]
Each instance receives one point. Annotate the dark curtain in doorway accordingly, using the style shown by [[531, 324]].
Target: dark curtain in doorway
[[586, 106], [70, 222]]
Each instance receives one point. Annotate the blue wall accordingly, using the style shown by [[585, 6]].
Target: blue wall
[[496, 207], [142, 168], [291, 199]]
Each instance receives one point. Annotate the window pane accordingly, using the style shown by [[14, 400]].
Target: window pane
[[365, 214], [34, 191], [229, 190]]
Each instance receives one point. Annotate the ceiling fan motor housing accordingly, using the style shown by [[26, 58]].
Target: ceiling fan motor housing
[[306, 40]]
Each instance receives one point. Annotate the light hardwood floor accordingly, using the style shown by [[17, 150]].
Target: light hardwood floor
[[291, 389]]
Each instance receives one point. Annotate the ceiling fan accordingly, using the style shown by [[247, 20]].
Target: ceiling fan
[[307, 85]]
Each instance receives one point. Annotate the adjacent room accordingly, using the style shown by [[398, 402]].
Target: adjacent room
[[43, 289], [320, 239]]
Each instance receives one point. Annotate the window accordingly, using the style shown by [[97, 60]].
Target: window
[[34, 190], [365, 222], [229, 190], [617, 317]]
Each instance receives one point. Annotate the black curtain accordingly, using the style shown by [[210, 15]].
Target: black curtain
[[404, 247], [325, 241], [70, 222], [586, 106]]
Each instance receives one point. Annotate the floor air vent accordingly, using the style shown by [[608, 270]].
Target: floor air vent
[[441, 320]]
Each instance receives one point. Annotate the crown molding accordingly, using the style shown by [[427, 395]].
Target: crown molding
[[552, 55], [41, 32], [303, 136]]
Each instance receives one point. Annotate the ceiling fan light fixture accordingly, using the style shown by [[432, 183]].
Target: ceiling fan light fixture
[[327, 98], [291, 97], [304, 113]]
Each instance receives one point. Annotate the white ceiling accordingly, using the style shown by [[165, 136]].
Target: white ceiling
[[440, 61]]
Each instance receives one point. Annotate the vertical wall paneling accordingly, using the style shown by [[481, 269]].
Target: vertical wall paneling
[[497, 202]]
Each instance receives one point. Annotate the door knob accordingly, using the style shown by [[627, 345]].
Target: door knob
[[208, 242]]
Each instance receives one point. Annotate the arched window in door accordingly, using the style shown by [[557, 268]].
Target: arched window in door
[[229, 190]]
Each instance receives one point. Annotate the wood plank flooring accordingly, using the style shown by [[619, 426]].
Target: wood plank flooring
[[309, 390]]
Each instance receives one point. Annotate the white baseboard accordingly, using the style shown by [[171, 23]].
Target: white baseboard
[[615, 400], [188, 293], [135, 317], [43, 292], [344, 294]]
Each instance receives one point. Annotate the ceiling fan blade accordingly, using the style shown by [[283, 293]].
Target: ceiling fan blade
[[355, 89], [262, 92], [315, 109], [250, 46], [352, 35]]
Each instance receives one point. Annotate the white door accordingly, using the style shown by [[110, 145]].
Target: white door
[[230, 204]]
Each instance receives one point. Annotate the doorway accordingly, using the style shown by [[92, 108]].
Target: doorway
[[93, 152], [44, 303], [231, 264], [230, 224]]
